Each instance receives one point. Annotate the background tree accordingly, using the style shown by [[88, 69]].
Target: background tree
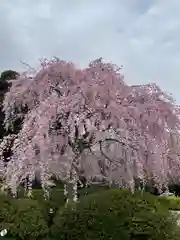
[[6, 143], [8, 75], [89, 122], [5, 83]]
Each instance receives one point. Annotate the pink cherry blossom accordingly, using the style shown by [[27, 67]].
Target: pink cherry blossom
[[90, 122]]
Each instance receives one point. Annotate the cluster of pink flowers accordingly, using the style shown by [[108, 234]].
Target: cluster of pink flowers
[[89, 122]]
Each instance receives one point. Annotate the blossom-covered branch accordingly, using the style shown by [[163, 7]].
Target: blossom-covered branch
[[89, 122]]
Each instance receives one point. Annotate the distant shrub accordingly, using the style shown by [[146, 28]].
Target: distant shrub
[[115, 214]]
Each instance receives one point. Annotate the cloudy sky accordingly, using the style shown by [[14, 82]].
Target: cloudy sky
[[141, 35]]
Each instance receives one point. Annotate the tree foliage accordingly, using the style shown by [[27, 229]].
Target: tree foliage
[[90, 122], [5, 83], [8, 75], [115, 214], [22, 218]]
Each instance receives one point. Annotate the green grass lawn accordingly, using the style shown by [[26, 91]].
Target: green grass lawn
[[172, 202]]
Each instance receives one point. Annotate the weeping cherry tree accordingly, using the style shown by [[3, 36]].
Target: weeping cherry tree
[[89, 122]]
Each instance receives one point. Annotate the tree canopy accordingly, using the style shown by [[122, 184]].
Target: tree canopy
[[90, 122], [8, 75]]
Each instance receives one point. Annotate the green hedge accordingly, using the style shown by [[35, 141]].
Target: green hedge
[[8, 210], [22, 218], [115, 214], [55, 202], [107, 214], [57, 199]]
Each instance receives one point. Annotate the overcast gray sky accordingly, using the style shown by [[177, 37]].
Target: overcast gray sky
[[142, 35]]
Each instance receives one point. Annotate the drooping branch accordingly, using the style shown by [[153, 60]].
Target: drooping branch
[[72, 112]]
